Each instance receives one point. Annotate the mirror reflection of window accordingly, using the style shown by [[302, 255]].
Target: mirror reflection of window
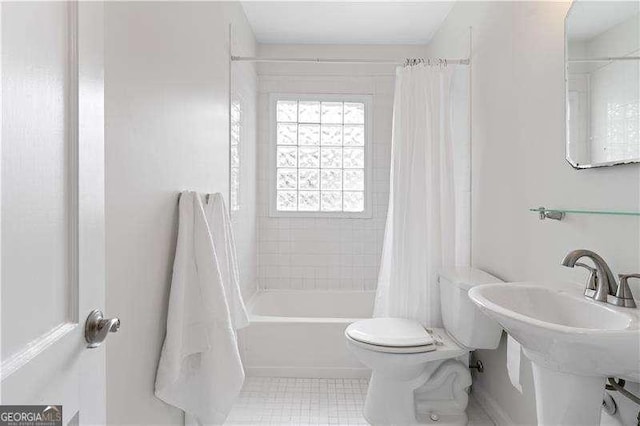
[[603, 82]]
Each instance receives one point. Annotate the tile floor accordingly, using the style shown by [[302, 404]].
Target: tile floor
[[291, 401]]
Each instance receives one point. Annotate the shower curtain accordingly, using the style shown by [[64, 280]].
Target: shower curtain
[[420, 230]]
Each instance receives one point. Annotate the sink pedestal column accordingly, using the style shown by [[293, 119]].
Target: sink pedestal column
[[567, 399]]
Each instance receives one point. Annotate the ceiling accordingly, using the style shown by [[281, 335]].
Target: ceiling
[[329, 22], [587, 19]]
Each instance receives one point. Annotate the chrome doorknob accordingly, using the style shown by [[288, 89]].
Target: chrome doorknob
[[97, 328]]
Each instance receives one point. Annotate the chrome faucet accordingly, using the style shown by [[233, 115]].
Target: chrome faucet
[[602, 285]]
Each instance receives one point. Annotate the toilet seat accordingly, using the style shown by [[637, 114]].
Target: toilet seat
[[444, 348], [402, 336], [393, 349], [390, 332]]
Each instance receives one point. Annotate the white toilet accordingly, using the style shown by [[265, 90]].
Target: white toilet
[[425, 370]]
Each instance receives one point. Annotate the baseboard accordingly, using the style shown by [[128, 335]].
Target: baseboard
[[491, 407], [309, 372]]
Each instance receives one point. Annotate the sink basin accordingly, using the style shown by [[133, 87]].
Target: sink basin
[[561, 329], [574, 343], [551, 308]]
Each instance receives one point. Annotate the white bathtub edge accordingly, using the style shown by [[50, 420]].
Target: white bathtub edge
[[307, 372]]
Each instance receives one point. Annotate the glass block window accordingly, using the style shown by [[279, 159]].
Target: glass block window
[[234, 155], [320, 155]]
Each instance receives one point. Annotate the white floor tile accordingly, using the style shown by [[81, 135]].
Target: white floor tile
[[291, 401]]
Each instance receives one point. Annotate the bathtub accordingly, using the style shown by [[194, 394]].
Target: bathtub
[[300, 333]]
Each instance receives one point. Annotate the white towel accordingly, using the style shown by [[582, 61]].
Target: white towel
[[200, 370], [224, 243]]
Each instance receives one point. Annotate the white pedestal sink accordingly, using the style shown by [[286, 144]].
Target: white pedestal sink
[[573, 342]]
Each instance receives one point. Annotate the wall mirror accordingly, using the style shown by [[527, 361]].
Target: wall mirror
[[602, 82]]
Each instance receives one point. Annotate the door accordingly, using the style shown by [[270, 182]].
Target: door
[[52, 210]]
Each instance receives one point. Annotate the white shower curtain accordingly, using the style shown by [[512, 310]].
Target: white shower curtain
[[420, 231]]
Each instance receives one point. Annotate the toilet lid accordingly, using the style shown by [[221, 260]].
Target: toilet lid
[[391, 332]]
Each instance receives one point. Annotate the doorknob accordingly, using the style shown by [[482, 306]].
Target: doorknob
[[97, 328]]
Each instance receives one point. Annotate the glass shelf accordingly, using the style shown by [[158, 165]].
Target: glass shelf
[[558, 214]]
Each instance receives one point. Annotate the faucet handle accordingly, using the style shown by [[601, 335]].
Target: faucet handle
[[593, 276], [623, 296]]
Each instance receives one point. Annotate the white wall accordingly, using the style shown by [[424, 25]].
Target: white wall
[[166, 101], [518, 163], [326, 253]]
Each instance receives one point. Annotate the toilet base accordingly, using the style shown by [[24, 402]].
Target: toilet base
[[390, 400], [404, 387], [445, 420], [431, 393]]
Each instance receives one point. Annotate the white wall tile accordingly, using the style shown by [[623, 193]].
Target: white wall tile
[[322, 253]]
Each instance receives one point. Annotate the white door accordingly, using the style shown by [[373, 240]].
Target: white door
[[52, 210]]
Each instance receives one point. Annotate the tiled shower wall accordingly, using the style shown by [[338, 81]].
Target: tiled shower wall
[[324, 253], [333, 253]]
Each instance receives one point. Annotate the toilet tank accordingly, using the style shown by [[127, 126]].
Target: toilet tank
[[460, 316]]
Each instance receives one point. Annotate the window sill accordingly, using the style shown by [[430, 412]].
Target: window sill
[[320, 215]]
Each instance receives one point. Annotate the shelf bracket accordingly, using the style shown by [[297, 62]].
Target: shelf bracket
[[550, 214]]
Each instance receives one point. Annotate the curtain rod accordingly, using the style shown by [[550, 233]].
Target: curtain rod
[[338, 60], [606, 59]]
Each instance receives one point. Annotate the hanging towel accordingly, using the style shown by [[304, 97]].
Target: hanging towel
[[225, 246], [200, 370]]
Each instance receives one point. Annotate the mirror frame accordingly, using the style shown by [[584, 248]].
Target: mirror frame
[[573, 164]]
